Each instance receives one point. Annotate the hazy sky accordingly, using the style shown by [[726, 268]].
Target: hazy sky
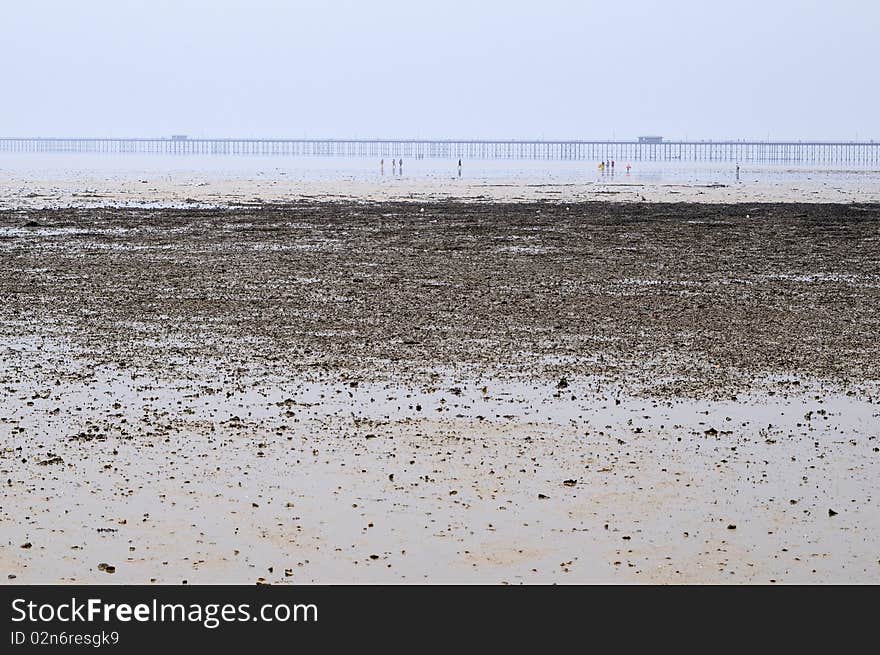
[[454, 68]]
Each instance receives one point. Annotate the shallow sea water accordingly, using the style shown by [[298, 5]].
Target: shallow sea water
[[60, 166]]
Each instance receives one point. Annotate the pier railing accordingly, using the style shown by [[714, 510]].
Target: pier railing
[[863, 153]]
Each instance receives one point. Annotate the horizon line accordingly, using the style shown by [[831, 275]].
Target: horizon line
[[648, 140]]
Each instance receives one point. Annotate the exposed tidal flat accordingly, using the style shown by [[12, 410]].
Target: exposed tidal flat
[[440, 391]]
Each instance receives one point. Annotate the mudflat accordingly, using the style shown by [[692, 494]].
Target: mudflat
[[441, 391]]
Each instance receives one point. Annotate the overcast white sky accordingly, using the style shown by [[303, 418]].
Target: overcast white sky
[[453, 68]]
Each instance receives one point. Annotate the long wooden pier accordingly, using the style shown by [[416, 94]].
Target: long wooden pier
[[857, 153]]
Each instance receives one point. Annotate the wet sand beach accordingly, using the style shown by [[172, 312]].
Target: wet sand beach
[[68, 180], [382, 391]]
